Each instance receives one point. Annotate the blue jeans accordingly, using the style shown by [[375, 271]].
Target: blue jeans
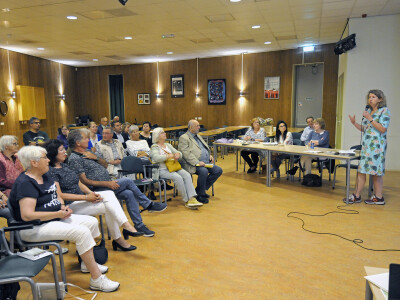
[[133, 197], [206, 178]]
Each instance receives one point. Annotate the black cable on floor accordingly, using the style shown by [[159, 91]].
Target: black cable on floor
[[357, 242]]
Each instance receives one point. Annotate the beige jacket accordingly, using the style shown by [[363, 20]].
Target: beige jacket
[[107, 154], [191, 151]]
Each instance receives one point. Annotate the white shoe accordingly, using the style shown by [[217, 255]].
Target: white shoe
[[103, 284], [84, 269]]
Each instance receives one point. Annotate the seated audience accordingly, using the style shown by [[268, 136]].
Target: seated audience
[[283, 137], [34, 136], [116, 119], [195, 155], [10, 168], [320, 138], [118, 134], [63, 137], [255, 133], [146, 134], [83, 201], [92, 172], [308, 129], [34, 196], [160, 153], [125, 127], [94, 137], [103, 124], [137, 147]]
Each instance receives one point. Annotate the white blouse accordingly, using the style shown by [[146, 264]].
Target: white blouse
[[133, 147]]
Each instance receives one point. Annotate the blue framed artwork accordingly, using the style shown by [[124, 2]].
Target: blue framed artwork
[[216, 89]]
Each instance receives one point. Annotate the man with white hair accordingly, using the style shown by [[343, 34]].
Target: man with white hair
[[196, 154]]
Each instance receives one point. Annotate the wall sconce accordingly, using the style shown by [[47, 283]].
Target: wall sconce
[[197, 94], [241, 93], [61, 97], [13, 94], [197, 78]]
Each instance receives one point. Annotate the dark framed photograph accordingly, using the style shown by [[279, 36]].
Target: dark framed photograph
[[216, 90], [177, 86], [146, 98], [271, 87], [140, 99]]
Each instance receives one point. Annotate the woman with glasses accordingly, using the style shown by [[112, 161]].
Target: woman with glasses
[[255, 133], [283, 137]]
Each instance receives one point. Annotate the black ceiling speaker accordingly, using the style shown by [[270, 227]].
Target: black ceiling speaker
[[123, 2], [346, 44]]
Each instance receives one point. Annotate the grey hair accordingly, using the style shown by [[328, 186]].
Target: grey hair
[[156, 134], [28, 153], [76, 136], [33, 119], [7, 140], [191, 123], [133, 128], [110, 128]]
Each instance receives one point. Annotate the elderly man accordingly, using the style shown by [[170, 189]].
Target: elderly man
[[34, 136], [118, 134], [92, 172], [103, 124], [308, 129], [196, 154]]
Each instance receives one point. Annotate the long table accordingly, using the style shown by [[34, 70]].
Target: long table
[[213, 132], [292, 150]]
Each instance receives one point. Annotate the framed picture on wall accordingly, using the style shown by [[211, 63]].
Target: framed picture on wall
[[146, 98], [271, 87], [216, 90], [177, 86], [140, 98]]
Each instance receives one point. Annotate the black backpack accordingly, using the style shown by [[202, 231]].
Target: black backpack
[[312, 180]]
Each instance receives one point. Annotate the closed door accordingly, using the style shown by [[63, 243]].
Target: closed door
[[309, 80]]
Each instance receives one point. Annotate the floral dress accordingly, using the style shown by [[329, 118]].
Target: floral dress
[[374, 144]]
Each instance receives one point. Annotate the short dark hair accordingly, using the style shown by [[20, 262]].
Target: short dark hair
[[114, 122], [310, 117], [146, 122], [52, 150], [33, 119]]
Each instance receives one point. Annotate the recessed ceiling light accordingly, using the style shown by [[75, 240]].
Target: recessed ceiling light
[[41, 49], [168, 36], [235, 0], [72, 17], [170, 52], [128, 37], [95, 59], [5, 9], [267, 43], [256, 26]]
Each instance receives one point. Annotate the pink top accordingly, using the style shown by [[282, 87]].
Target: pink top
[[9, 171]]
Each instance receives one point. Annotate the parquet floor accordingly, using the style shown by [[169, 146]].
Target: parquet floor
[[242, 245]]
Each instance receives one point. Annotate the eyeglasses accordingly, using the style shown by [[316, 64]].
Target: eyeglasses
[[36, 122], [14, 144], [282, 125]]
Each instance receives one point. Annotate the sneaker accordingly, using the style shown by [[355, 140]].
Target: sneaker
[[375, 200], [84, 269], [103, 284], [352, 199], [146, 232], [157, 207], [192, 202]]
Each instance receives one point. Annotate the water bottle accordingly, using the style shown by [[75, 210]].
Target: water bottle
[[312, 145]]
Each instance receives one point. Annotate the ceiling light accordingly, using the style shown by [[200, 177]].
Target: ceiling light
[[256, 26], [41, 49], [128, 37], [308, 49], [267, 43], [170, 52], [95, 59], [72, 17], [123, 2], [235, 0], [5, 9]]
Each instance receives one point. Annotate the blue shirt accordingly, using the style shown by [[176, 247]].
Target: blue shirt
[[205, 155], [322, 138]]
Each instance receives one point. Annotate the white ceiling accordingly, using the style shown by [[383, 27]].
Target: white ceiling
[[202, 28]]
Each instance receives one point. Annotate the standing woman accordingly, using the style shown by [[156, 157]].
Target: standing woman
[[145, 134], [94, 137], [374, 125], [255, 133], [160, 153], [283, 137]]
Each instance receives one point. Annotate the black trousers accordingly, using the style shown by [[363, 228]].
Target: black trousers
[[253, 161]]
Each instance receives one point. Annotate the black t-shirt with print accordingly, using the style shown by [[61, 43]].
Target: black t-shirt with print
[[27, 187]]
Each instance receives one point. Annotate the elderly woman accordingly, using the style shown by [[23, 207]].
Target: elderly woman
[[94, 137], [145, 134], [319, 138], [283, 137], [63, 137], [255, 133], [160, 153], [10, 168], [135, 146], [375, 123], [34, 196], [83, 201]]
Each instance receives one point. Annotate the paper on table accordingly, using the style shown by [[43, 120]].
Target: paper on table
[[347, 151], [312, 151], [270, 143], [380, 280]]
